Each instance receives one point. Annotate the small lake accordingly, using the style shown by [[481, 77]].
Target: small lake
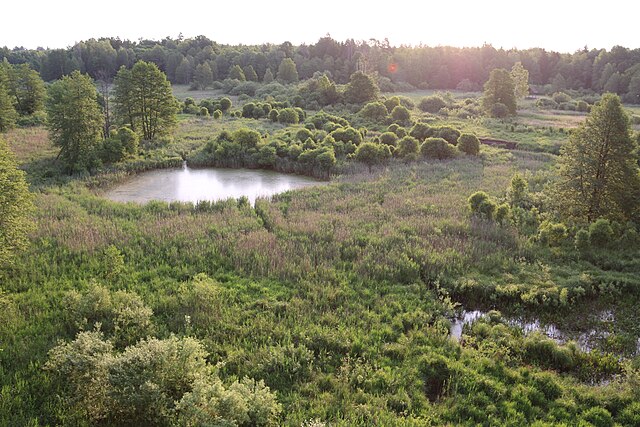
[[191, 185]]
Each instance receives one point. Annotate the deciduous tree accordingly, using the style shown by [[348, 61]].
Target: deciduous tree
[[144, 100], [287, 71], [75, 120], [499, 89], [361, 88]]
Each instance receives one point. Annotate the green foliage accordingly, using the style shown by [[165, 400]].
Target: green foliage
[[599, 174], [421, 131], [401, 115], [437, 148], [372, 154], [225, 104], [374, 111], [581, 241], [288, 116], [469, 144], [500, 89], [155, 382], [347, 135], [503, 213], [388, 138], [361, 88], [432, 104], [8, 113], [520, 76], [268, 76], [287, 71], [448, 133], [16, 206], [250, 73], [217, 114], [236, 73], [144, 100], [600, 233], [407, 148], [126, 143], [247, 138], [75, 121], [481, 205], [203, 77], [552, 233], [25, 87], [518, 191]]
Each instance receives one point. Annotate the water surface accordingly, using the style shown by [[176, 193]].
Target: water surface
[[192, 185]]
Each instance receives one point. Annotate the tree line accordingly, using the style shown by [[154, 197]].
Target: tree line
[[197, 60]]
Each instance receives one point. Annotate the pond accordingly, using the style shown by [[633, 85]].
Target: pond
[[191, 185]]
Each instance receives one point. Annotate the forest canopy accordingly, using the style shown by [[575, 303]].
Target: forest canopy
[[442, 67]]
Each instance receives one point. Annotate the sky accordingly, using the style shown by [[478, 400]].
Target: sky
[[559, 25]]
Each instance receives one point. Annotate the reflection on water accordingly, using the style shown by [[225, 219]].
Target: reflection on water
[[192, 185], [586, 340]]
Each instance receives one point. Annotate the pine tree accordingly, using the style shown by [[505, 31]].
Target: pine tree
[[268, 76], [361, 89], [599, 174], [236, 73]]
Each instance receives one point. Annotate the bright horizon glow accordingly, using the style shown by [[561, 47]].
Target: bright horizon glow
[[563, 26]]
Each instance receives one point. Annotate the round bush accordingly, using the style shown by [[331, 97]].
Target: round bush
[[374, 111], [421, 131], [449, 134], [407, 147], [389, 138], [469, 144], [401, 114], [437, 148], [288, 116], [432, 104]]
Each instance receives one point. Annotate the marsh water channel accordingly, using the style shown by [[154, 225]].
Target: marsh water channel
[[588, 334], [195, 184]]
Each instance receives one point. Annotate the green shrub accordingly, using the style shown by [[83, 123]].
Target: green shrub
[[600, 233], [273, 115], [502, 213], [581, 240], [469, 144], [374, 111], [432, 104], [552, 233], [437, 148], [560, 97], [304, 134], [481, 205], [449, 134], [217, 114], [598, 417], [389, 138], [421, 131], [407, 146], [288, 116], [401, 114]]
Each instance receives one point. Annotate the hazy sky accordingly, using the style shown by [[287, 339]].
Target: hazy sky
[[562, 25]]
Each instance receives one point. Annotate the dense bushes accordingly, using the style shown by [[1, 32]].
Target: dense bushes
[[155, 382]]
